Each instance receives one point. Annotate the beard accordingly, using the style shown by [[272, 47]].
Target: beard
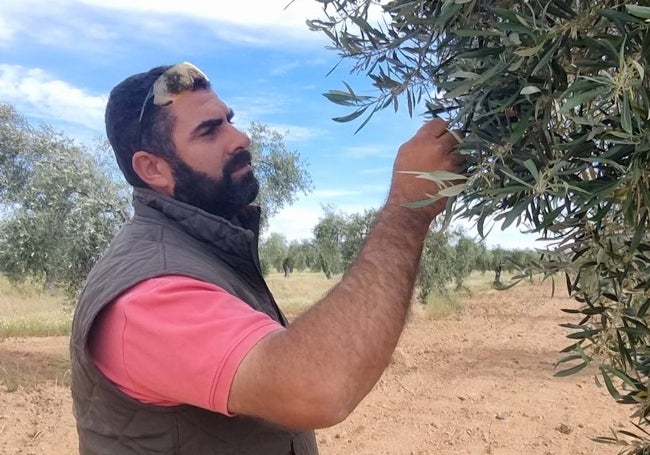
[[222, 197]]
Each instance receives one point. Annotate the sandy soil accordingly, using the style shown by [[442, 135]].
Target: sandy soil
[[477, 383]]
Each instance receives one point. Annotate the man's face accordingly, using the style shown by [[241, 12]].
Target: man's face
[[212, 168]]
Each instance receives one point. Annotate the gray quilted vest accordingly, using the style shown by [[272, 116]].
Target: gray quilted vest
[[168, 237]]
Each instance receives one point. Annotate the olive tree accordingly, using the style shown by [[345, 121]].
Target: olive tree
[[356, 227], [281, 172], [328, 236], [61, 202], [467, 257], [436, 266], [59, 205], [339, 237], [304, 255], [551, 101], [274, 250]]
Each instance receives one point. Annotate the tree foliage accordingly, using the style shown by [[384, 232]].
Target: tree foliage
[[59, 206], [328, 239], [552, 98], [436, 265], [61, 203], [304, 256], [448, 257], [273, 252], [338, 238], [356, 227], [281, 172]]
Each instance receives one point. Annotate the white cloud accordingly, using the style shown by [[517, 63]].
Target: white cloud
[[259, 22], [295, 133], [368, 151], [35, 93], [326, 194], [250, 108], [56, 23], [281, 70], [511, 238], [296, 222], [386, 170], [251, 13], [7, 31]]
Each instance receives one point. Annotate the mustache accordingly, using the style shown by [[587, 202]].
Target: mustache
[[238, 160]]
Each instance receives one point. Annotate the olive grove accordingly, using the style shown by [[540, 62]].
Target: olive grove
[[62, 202]]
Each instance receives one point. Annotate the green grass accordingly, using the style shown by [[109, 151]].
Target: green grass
[[25, 311], [300, 290], [443, 306]]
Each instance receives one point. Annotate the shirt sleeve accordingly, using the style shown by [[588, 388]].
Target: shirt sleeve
[[175, 340]]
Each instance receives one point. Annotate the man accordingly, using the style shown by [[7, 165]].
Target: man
[[177, 345]]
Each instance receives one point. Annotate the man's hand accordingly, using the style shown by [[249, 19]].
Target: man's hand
[[431, 149]]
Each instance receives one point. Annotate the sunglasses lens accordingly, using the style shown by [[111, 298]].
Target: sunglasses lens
[[175, 80]]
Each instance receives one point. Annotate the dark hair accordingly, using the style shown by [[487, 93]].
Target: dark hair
[[125, 133]]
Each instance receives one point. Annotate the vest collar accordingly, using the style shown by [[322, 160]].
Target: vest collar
[[244, 226]]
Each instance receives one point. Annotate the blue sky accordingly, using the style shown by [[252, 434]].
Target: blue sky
[[59, 60]]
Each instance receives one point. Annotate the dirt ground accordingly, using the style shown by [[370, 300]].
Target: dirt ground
[[477, 383]]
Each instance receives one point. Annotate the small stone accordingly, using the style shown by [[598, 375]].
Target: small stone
[[564, 429]]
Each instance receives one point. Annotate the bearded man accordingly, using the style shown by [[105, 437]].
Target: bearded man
[[178, 346]]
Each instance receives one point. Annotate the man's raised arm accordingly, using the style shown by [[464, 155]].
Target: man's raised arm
[[314, 373]]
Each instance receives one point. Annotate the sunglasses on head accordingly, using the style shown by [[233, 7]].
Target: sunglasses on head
[[172, 82]]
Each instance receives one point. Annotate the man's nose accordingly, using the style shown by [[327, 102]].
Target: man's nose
[[243, 141], [246, 139]]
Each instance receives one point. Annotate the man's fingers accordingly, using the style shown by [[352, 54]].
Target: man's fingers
[[448, 140], [457, 136], [459, 161], [435, 128]]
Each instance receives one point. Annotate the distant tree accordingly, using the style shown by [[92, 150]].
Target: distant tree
[[496, 262], [328, 236], [436, 265], [338, 238], [482, 259], [281, 172], [466, 257], [274, 250], [356, 227], [59, 206], [525, 263], [304, 255]]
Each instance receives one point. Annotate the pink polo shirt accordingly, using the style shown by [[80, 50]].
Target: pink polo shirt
[[173, 339]]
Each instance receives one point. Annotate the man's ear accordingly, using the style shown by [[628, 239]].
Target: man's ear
[[154, 171]]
